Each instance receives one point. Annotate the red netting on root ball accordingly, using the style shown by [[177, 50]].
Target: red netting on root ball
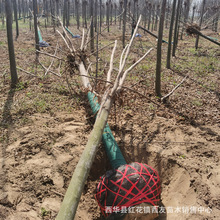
[[129, 185]]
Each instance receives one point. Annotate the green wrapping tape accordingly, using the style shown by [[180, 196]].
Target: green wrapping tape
[[69, 31], [213, 38], [113, 151], [39, 35]]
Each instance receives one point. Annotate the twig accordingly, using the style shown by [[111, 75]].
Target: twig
[[121, 58], [50, 55], [51, 61], [26, 72], [131, 67], [49, 70], [129, 45], [66, 34], [105, 28], [60, 194], [71, 50], [124, 87], [88, 35], [101, 49], [169, 94], [120, 73], [83, 39], [111, 64]]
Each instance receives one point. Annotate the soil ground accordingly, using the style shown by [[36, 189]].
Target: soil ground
[[46, 121]]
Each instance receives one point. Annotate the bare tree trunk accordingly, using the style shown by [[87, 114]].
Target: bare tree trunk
[[64, 12], [216, 23], [30, 16], [149, 14], [137, 10], [97, 52], [68, 14], [23, 10], [100, 11], [52, 9], [57, 11], [3, 13], [170, 34], [159, 45], [124, 23], [194, 7], [77, 12], [115, 12], [157, 14], [111, 7], [19, 8], [96, 16], [16, 18], [92, 28], [167, 16], [153, 12], [145, 14], [186, 15], [176, 28], [73, 8], [134, 9], [35, 28], [84, 11], [14, 76], [120, 9], [134, 14], [200, 24], [107, 14]]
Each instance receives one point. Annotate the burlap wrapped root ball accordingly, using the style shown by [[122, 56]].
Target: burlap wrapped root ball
[[128, 187]]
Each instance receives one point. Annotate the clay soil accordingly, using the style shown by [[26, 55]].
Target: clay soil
[[46, 121]]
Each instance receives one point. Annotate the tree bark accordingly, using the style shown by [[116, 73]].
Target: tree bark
[[68, 13], [159, 45], [100, 15], [200, 24], [96, 16], [14, 76], [107, 14], [92, 28], [35, 28], [170, 34], [124, 23], [16, 18], [64, 12], [149, 15], [77, 13], [194, 7], [176, 28], [19, 8]]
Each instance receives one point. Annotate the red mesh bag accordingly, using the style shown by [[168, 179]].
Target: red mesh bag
[[129, 185]]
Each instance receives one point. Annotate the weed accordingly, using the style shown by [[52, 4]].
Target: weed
[[196, 102], [29, 94], [182, 156], [151, 107], [41, 106], [44, 212], [62, 90], [21, 85]]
